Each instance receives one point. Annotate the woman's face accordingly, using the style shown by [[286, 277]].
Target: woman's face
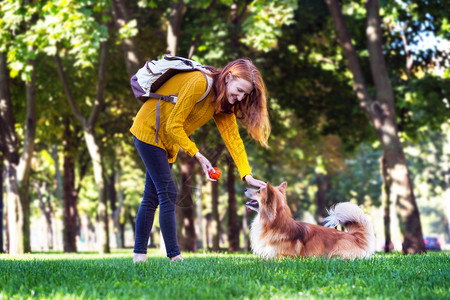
[[238, 89]]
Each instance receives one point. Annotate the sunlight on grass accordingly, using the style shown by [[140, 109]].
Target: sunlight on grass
[[222, 276]]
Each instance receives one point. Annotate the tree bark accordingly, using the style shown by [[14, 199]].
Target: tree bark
[[215, 215], [23, 169], [116, 198], [46, 210], [199, 210], [215, 154], [10, 150], [397, 168], [174, 26], [381, 113], [129, 45], [446, 169], [233, 224], [323, 186], [18, 168], [245, 230], [185, 205], [387, 205], [70, 194]]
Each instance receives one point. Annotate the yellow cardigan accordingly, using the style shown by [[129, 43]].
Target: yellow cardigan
[[182, 119]]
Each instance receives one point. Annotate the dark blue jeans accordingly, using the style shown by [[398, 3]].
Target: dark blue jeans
[[159, 190]]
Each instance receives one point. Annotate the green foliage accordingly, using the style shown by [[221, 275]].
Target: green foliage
[[306, 74], [361, 180], [224, 276], [263, 26], [48, 25], [422, 105]]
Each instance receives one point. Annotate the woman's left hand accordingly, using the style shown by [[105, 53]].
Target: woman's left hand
[[254, 182]]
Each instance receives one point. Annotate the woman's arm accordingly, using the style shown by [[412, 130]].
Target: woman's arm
[[254, 182]]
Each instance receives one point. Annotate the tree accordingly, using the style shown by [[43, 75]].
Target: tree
[[233, 225], [70, 193], [381, 112], [17, 163], [88, 125], [95, 36]]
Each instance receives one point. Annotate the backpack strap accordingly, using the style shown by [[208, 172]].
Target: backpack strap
[[173, 99]]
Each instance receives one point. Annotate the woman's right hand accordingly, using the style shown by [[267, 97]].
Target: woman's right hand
[[206, 165]]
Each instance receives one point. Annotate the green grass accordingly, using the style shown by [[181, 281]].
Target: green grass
[[223, 276]]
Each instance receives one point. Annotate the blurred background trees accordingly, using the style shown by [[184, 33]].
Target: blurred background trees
[[72, 180]]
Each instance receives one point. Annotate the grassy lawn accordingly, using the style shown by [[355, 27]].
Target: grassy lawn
[[223, 276]]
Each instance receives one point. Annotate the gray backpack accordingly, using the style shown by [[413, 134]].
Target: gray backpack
[[155, 73]]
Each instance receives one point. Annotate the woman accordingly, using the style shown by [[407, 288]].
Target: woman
[[238, 91]]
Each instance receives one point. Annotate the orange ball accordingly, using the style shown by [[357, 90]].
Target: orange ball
[[215, 175]]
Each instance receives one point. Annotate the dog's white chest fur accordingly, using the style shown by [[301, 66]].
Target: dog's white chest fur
[[259, 245]]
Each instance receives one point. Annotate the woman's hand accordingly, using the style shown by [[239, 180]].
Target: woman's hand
[[206, 165], [254, 182]]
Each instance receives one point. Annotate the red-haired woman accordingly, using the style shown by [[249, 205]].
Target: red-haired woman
[[238, 92]]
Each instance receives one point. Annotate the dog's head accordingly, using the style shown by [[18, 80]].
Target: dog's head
[[267, 200], [255, 197]]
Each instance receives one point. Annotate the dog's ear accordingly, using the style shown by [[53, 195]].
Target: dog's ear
[[282, 187], [269, 193], [270, 211]]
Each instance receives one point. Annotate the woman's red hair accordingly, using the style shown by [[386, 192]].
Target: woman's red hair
[[251, 111]]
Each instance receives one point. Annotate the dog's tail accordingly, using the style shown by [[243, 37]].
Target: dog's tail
[[355, 221]]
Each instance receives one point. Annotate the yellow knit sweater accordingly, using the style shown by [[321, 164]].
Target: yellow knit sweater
[[182, 119]]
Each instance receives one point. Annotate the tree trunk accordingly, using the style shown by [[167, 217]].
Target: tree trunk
[[116, 208], [387, 206], [92, 144], [18, 169], [174, 26], [70, 194], [245, 230], [208, 218], [46, 210], [14, 211], [102, 208], [58, 177], [381, 112], [129, 45], [397, 168], [446, 155], [2, 249], [132, 220], [28, 149], [9, 147], [233, 224], [323, 186], [214, 158], [185, 204], [215, 215], [199, 210]]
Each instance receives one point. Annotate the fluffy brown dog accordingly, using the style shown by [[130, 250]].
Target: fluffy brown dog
[[274, 233]]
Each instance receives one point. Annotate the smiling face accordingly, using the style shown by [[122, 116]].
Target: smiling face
[[237, 89]]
